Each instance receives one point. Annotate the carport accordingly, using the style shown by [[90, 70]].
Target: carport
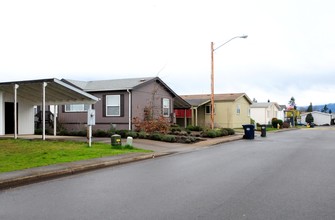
[[17, 101]]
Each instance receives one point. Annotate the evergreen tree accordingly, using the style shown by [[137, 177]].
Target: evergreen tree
[[325, 109], [310, 108], [309, 118]]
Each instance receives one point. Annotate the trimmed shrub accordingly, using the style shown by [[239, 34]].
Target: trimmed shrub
[[194, 128], [209, 133], [224, 132], [142, 135], [123, 133], [100, 133], [132, 134], [229, 130], [155, 136], [62, 132], [275, 122], [175, 128], [168, 138]]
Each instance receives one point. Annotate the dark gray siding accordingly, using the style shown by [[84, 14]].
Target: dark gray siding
[[150, 96]]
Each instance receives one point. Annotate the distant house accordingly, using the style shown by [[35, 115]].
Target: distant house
[[230, 110], [264, 112], [320, 118], [120, 101]]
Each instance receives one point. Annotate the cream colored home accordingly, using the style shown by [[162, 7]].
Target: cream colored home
[[264, 112], [230, 110]]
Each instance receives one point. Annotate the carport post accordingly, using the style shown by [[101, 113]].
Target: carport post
[[43, 104], [55, 119], [16, 86]]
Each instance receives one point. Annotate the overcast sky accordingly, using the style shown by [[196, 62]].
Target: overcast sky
[[290, 49]]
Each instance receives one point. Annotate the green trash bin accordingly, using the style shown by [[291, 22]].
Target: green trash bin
[[116, 140]]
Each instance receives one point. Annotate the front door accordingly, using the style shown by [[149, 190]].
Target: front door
[[9, 118]]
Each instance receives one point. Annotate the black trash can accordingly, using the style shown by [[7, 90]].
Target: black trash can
[[249, 131], [263, 131], [116, 140]]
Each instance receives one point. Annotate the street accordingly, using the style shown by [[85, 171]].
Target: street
[[286, 175]]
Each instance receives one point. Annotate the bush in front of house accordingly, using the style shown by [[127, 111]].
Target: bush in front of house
[[155, 136], [230, 131], [210, 133], [219, 132], [168, 138], [188, 139], [132, 134], [194, 128], [122, 133], [100, 133], [275, 122], [143, 135], [175, 128]]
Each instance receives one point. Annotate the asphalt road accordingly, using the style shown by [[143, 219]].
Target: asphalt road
[[287, 175]]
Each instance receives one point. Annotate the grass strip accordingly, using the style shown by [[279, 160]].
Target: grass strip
[[22, 154]]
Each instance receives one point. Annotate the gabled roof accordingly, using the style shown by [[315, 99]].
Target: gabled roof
[[125, 84], [264, 105], [109, 85], [316, 112], [57, 92], [198, 100]]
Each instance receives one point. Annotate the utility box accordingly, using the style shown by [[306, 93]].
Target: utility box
[[249, 131], [116, 140], [263, 131], [130, 141]]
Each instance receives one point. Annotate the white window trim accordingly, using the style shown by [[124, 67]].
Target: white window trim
[[119, 105], [84, 108], [238, 109], [168, 107]]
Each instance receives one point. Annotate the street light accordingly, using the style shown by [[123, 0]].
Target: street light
[[212, 75]]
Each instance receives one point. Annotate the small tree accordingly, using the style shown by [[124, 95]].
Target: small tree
[[310, 108], [292, 103], [309, 118], [324, 109]]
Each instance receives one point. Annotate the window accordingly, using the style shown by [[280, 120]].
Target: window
[[77, 108], [238, 109], [166, 107], [113, 105], [208, 109]]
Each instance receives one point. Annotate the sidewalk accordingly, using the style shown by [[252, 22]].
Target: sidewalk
[[22, 177]]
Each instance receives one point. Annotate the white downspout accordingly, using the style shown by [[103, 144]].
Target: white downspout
[[55, 119], [196, 116], [129, 108]]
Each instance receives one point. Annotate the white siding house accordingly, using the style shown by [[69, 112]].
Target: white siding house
[[22, 96], [320, 118], [264, 112]]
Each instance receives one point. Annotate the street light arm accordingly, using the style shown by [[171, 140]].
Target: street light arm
[[244, 36], [212, 75]]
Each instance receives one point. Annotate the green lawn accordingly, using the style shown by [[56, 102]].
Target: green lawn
[[21, 154]]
